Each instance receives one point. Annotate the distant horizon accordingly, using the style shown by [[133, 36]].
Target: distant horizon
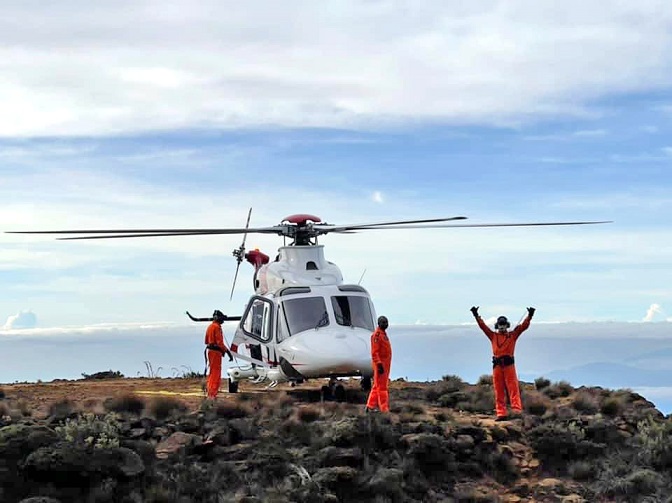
[[421, 353]]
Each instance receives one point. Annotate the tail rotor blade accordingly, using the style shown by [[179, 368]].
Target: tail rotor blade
[[240, 253], [233, 286]]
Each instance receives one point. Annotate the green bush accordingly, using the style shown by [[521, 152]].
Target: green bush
[[91, 430], [654, 443], [611, 406]]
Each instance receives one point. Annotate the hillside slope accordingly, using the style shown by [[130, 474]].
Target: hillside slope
[[156, 440]]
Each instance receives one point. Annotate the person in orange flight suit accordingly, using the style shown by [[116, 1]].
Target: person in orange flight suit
[[504, 377], [381, 356], [214, 343]]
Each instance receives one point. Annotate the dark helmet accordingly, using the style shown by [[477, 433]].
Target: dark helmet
[[218, 315], [502, 322], [382, 322]]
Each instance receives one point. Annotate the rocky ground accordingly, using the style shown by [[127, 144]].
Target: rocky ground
[[157, 440]]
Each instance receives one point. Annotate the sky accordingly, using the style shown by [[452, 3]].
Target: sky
[[175, 114]]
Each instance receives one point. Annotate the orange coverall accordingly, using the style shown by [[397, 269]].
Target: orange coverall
[[504, 378], [214, 337], [381, 353]]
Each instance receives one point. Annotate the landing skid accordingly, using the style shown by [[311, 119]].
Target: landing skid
[[333, 391]]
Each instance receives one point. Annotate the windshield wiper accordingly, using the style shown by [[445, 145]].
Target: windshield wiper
[[324, 321]]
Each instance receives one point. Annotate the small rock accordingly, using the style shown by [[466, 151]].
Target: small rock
[[550, 483], [573, 498], [40, 499], [534, 463], [465, 442], [386, 481], [177, 442], [137, 433]]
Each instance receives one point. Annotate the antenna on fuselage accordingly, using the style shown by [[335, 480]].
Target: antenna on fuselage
[[361, 277]]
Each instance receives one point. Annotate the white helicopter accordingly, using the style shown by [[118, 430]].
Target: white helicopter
[[302, 322]]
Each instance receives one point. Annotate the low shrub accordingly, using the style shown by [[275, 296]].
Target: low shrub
[[309, 413], [535, 403], [448, 384], [107, 374], [585, 402], [62, 409], [611, 406], [541, 383], [231, 410], [582, 470], [163, 407], [485, 380], [559, 389], [128, 403]]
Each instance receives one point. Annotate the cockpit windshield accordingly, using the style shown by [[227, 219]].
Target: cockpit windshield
[[305, 313], [352, 311]]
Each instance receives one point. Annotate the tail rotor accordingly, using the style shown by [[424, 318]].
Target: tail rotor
[[239, 253]]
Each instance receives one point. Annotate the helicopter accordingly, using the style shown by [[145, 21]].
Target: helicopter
[[302, 321]]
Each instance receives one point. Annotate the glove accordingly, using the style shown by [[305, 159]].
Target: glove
[[381, 369], [230, 356], [474, 311], [530, 311]]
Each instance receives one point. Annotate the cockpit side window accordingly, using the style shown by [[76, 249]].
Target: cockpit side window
[[305, 313], [352, 311], [258, 320]]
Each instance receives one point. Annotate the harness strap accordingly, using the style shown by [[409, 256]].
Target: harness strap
[[503, 361]]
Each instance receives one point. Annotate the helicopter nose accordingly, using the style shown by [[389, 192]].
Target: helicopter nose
[[331, 347], [337, 342]]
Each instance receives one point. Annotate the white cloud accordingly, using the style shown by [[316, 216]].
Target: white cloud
[[377, 197], [655, 313], [74, 69], [24, 320]]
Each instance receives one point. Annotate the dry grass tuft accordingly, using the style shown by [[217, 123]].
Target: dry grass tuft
[[125, 404], [62, 409], [232, 410], [536, 403], [585, 402], [309, 413]]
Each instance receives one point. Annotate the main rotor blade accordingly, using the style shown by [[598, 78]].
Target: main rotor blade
[[442, 226], [339, 228], [162, 232]]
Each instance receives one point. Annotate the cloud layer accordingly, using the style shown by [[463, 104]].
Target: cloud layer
[[24, 319], [119, 67]]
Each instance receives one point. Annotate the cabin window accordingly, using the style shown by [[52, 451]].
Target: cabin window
[[258, 319], [306, 313], [351, 311]]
